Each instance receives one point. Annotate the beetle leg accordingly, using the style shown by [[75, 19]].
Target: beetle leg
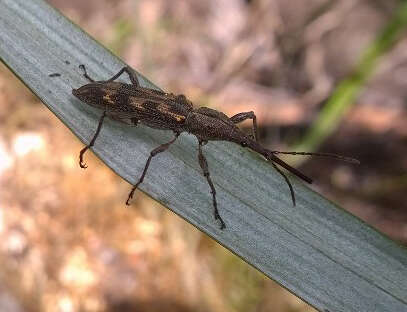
[[246, 115], [128, 121], [204, 165], [134, 121], [130, 72], [85, 73], [81, 162], [154, 152], [127, 69]]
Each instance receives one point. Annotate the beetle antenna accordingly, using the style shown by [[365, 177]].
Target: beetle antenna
[[270, 156], [286, 180], [330, 155]]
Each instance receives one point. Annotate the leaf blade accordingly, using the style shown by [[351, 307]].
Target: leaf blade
[[316, 250]]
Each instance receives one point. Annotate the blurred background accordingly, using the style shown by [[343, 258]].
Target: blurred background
[[321, 75]]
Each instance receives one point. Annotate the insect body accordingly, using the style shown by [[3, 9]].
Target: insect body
[[131, 103]]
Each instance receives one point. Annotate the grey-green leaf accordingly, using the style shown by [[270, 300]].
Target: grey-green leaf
[[318, 251]]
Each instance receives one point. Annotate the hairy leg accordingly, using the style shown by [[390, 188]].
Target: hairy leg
[[154, 152], [127, 69], [246, 115], [81, 163], [204, 165]]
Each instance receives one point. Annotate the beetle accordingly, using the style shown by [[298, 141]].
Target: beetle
[[131, 104]]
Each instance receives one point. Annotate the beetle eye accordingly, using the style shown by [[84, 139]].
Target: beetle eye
[[244, 144]]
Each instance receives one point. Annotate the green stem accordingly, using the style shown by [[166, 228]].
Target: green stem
[[347, 91]]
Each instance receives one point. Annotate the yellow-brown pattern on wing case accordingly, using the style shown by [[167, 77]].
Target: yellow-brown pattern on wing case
[[107, 98], [110, 96], [151, 108], [165, 108], [136, 103]]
